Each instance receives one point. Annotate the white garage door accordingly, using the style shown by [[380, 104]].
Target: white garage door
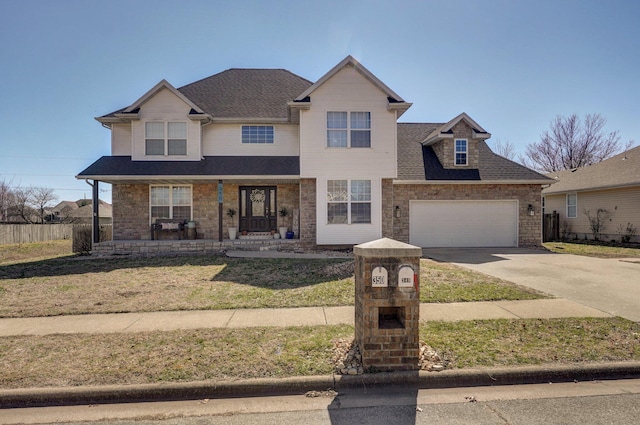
[[463, 223]]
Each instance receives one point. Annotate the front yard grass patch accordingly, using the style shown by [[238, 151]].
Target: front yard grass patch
[[83, 285], [227, 354], [593, 249], [447, 283]]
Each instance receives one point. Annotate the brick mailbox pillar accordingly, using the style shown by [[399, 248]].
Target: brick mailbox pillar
[[387, 304]]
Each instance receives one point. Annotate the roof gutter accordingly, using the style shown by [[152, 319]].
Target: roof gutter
[[469, 182]]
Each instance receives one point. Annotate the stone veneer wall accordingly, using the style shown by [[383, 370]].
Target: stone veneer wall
[[445, 149], [388, 208], [308, 213], [530, 228], [205, 210], [130, 211]]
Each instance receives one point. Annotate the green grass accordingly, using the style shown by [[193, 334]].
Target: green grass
[[593, 250], [227, 354], [533, 341]]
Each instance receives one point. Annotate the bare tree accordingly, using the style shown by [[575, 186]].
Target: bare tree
[[41, 197], [6, 199], [571, 143], [505, 149], [22, 204]]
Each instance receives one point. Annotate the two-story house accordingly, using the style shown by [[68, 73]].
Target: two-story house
[[332, 152]]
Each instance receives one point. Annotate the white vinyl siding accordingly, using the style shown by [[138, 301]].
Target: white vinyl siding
[[622, 207], [222, 139], [439, 224], [121, 139], [181, 139]]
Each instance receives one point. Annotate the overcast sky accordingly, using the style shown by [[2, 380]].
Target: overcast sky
[[511, 65]]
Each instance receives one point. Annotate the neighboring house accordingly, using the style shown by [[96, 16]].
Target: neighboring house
[[257, 140], [608, 192], [80, 211]]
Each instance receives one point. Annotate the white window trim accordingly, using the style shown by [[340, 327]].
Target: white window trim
[[567, 205], [455, 152], [349, 202], [171, 186], [166, 138], [348, 130]]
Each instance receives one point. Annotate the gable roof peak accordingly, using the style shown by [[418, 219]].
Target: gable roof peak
[[353, 62]]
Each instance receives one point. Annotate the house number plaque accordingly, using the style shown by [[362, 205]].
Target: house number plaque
[[379, 277], [405, 276]]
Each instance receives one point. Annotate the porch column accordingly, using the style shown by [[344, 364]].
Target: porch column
[[95, 223], [220, 197]]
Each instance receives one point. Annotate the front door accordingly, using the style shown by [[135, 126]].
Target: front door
[[258, 208]]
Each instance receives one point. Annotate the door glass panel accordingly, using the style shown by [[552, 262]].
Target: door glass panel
[[272, 203], [258, 196], [243, 203]]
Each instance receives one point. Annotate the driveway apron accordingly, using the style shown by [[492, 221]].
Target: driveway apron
[[609, 285]]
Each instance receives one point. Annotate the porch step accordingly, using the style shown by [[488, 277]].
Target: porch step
[[256, 236]]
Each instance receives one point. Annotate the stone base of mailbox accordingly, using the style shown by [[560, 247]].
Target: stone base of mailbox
[[387, 318]]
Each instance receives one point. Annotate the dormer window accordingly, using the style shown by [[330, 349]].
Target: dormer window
[[462, 151], [165, 138]]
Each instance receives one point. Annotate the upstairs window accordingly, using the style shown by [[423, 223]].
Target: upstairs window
[[572, 205], [348, 129], [461, 151], [348, 201], [259, 134], [165, 138]]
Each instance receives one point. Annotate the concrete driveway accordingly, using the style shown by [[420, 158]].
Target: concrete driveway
[[609, 285]]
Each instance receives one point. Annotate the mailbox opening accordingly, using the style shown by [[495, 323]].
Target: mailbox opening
[[391, 318]]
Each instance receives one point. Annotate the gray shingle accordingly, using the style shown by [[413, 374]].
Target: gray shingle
[[416, 162], [617, 171], [246, 93]]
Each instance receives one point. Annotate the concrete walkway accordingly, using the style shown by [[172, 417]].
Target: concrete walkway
[[306, 316]]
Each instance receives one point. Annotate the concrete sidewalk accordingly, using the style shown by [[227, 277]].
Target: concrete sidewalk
[[305, 316]]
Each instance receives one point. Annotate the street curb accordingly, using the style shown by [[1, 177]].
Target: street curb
[[37, 397]]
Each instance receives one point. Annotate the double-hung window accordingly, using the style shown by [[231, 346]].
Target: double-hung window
[[572, 205], [348, 201], [257, 134], [461, 151], [165, 138], [348, 129], [170, 202]]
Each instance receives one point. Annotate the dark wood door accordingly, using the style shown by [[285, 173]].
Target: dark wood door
[[258, 208]]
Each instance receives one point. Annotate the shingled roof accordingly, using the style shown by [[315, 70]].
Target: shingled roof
[[622, 170], [244, 93], [122, 168], [417, 162]]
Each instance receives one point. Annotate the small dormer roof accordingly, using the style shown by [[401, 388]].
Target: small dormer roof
[[445, 131]]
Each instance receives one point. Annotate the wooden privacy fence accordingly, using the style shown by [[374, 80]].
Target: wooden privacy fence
[[551, 227], [82, 236], [28, 233]]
